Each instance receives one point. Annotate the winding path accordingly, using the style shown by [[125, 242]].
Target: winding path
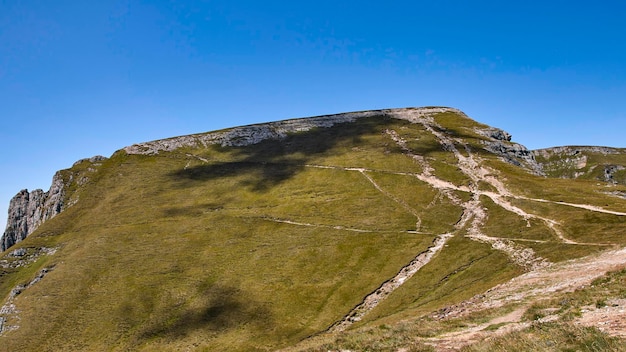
[[474, 214]]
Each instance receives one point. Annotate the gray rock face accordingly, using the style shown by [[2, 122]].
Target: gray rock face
[[245, 135], [515, 154], [93, 160], [28, 210], [495, 133], [575, 150], [610, 170], [252, 134], [599, 163], [511, 152]]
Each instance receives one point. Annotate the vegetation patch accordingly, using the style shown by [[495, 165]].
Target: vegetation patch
[[266, 246]]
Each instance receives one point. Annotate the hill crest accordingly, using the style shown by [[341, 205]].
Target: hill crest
[[253, 134], [309, 226], [28, 210]]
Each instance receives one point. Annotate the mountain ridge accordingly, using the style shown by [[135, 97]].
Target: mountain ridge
[[28, 210], [350, 221], [255, 133]]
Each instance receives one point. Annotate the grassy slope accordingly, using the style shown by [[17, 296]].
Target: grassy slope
[[583, 163], [159, 256], [170, 252], [562, 334]]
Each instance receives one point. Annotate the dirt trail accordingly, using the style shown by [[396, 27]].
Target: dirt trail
[[472, 168], [532, 286], [610, 319], [334, 227], [472, 220], [453, 341], [581, 206], [418, 222], [391, 285]]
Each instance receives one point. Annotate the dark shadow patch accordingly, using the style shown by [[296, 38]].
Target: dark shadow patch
[[194, 210], [222, 308], [271, 162]]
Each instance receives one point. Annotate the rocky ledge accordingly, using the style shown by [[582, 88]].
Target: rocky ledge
[[512, 153], [28, 210], [253, 134]]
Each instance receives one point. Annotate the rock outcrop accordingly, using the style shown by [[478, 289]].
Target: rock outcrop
[[609, 172], [495, 133], [244, 135], [583, 162], [512, 153], [28, 210], [575, 150], [252, 134]]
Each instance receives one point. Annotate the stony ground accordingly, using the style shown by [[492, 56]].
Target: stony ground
[[534, 286]]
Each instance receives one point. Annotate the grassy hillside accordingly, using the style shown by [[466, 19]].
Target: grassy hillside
[[592, 163], [260, 247]]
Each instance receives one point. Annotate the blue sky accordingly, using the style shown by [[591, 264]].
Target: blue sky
[[81, 78]]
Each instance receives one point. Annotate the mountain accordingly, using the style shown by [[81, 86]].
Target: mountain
[[398, 229], [591, 163]]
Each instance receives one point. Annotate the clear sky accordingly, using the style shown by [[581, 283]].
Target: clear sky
[[83, 78]]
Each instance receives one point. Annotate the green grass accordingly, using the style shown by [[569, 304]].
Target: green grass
[[503, 223], [461, 270], [552, 337], [180, 252], [563, 335], [170, 252]]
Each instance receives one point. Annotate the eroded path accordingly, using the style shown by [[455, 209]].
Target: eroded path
[[472, 168], [530, 287], [372, 300], [306, 224], [470, 224], [473, 218]]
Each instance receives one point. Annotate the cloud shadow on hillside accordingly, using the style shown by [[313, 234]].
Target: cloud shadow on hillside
[[223, 308], [272, 162]]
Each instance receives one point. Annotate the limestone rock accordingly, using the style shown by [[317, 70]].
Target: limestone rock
[[253, 134], [600, 163], [513, 153], [28, 210], [610, 170], [495, 133]]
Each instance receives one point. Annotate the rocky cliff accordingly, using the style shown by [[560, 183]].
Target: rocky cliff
[[512, 153], [28, 210], [499, 141], [252, 134]]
